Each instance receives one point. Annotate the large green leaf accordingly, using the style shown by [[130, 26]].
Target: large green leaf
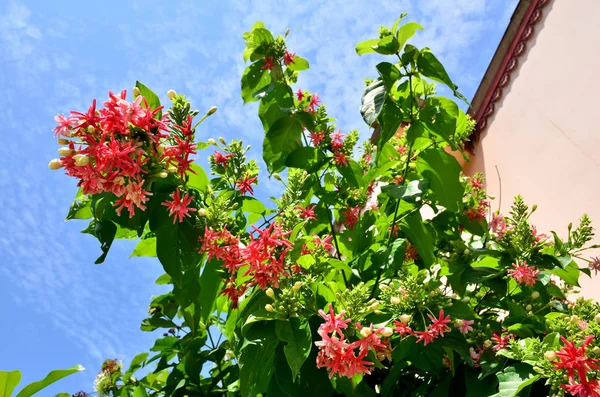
[[419, 235], [298, 64], [52, 377], [306, 158], [257, 359], [80, 208], [372, 101], [406, 31], [410, 192], [136, 363], [443, 172], [514, 379], [151, 98], [352, 173], [140, 391], [431, 67], [105, 231], [209, 287], [8, 382], [389, 73], [387, 46], [146, 247], [295, 332], [284, 136], [198, 178], [254, 79]]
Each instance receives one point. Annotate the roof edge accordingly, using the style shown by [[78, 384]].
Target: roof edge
[[513, 44]]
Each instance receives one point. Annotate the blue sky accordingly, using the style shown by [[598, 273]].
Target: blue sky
[[58, 308]]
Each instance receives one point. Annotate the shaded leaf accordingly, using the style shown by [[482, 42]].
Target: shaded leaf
[[372, 101], [52, 377]]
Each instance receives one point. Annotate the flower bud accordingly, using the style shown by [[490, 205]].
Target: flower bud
[[297, 285], [378, 312], [538, 370], [269, 307], [394, 300], [384, 287], [172, 169], [467, 251], [405, 318], [533, 208], [160, 150], [276, 176], [65, 151], [487, 344], [201, 212], [212, 142], [387, 331], [596, 350], [136, 92], [55, 164], [91, 129], [222, 140], [598, 318], [374, 306], [63, 141], [234, 205], [270, 293], [228, 355], [282, 308], [365, 332], [491, 197], [171, 94], [163, 174], [528, 307], [574, 319], [550, 355], [81, 159], [535, 295], [466, 299], [287, 32], [212, 110]]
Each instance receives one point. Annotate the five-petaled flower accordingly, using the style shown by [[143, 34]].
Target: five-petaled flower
[[314, 101], [300, 94], [341, 159], [464, 326], [245, 184], [351, 216], [288, 57], [439, 325], [308, 212], [269, 63], [221, 159], [179, 206], [316, 137], [524, 274]]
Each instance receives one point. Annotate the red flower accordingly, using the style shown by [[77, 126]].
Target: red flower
[[64, 125], [587, 389], [316, 137], [476, 182], [134, 196], [594, 264], [439, 325], [524, 274], [300, 94], [402, 329], [268, 63], [288, 57], [245, 184], [427, 336], [333, 323], [322, 242], [221, 159], [341, 159], [308, 212], [501, 341], [574, 360], [351, 216], [336, 140], [179, 206]]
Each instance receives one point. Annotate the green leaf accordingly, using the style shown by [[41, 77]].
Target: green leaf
[[105, 231], [52, 377], [176, 247], [257, 359], [477, 387], [387, 46], [389, 73], [352, 173], [443, 172], [298, 64], [570, 274], [199, 179], [209, 288], [514, 379], [419, 235], [410, 192], [146, 247], [80, 208], [295, 332], [151, 98], [284, 137], [140, 391], [372, 101], [252, 205], [407, 31], [8, 382], [366, 47], [430, 66], [460, 310], [253, 80], [306, 158], [136, 363]]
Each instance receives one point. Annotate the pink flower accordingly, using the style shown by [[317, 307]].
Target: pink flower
[[322, 242], [524, 274], [464, 326], [314, 101], [351, 216], [179, 206], [439, 325], [308, 212], [341, 159], [575, 360], [336, 140], [300, 94], [501, 341], [498, 226], [221, 159], [402, 329], [427, 336], [595, 265], [539, 238], [316, 137], [288, 57], [333, 323], [134, 196], [65, 123], [245, 184], [475, 356], [268, 63]]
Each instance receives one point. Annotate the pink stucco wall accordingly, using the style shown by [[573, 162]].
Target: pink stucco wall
[[544, 136]]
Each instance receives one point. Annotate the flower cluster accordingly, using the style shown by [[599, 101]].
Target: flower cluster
[[477, 201], [524, 274], [577, 364], [262, 260]]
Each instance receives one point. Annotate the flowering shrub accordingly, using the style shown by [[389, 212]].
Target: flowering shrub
[[380, 269]]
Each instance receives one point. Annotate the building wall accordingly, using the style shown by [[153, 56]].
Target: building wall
[[544, 136]]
